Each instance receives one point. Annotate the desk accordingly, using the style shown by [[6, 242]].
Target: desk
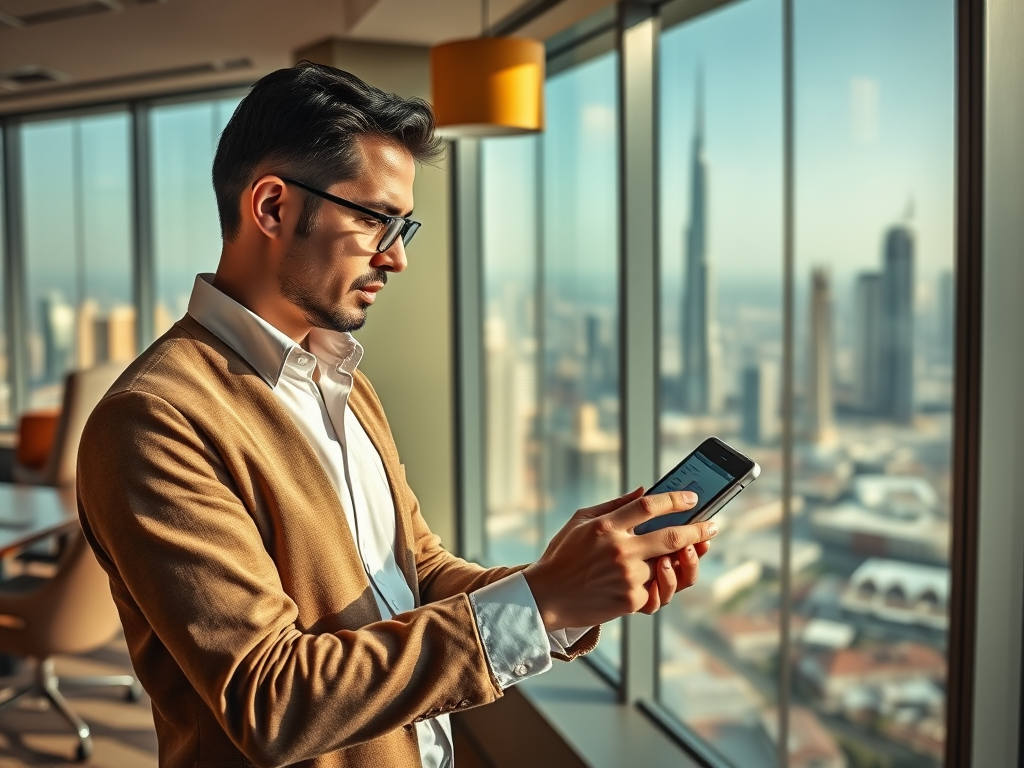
[[32, 512]]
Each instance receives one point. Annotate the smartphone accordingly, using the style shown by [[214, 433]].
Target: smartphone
[[715, 471]]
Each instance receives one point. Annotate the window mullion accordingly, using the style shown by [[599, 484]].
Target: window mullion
[[638, 297]]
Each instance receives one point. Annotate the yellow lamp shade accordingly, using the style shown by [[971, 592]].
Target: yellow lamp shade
[[488, 86]]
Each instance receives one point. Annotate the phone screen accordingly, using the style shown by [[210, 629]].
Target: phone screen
[[698, 474]]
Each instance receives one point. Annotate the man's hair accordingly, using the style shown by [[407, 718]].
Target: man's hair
[[304, 121]]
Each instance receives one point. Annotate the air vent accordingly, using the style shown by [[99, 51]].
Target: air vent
[[30, 76], [30, 15], [153, 76]]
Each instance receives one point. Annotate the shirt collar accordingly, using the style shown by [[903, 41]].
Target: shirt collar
[[259, 343]]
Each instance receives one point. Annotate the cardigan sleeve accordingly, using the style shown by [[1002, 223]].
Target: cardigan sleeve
[[182, 550]]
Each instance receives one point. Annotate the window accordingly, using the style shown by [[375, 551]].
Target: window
[[186, 231], [849, 416], [550, 254], [78, 264]]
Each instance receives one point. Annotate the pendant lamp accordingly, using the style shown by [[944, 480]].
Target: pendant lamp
[[488, 86]]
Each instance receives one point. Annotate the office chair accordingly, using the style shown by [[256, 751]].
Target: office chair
[[82, 391], [71, 612]]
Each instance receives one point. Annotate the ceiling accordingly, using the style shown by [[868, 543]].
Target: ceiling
[[59, 53]]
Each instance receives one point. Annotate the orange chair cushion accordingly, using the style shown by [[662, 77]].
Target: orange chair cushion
[[36, 430]]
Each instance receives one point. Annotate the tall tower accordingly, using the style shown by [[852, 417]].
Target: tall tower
[[867, 343], [696, 315], [820, 409], [58, 332], [898, 324]]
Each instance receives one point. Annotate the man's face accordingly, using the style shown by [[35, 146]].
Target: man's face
[[334, 273]]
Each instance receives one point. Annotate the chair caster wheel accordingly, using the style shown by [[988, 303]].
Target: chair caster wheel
[[133, 693], [84, 751]]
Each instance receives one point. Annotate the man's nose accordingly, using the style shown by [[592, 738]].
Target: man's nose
[[393, 259]]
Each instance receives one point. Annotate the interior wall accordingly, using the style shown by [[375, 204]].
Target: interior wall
[[1000, 598], [408, 334]]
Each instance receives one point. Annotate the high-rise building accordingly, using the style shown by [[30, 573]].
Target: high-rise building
[[85, 334], [898, 324], [820, 409], [115, 335], [867, 342], [57, 323], [760, 400], [696, 314]]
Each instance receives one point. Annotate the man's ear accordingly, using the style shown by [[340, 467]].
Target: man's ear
[[269, 204]]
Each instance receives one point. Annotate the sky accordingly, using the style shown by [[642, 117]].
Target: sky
[[874, 133], [874, 138]]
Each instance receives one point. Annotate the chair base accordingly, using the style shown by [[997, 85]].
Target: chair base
[[45, 685]]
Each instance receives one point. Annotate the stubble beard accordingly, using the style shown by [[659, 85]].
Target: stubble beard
[[302, 292]]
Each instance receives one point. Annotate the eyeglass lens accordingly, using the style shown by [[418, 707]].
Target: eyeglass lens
[[395, 228]]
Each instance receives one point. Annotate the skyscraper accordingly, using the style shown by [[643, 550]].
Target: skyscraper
[[760, 400], [58, 332], [947, 316], [696, 314], [820, 410], [898, 324], [867, 342]]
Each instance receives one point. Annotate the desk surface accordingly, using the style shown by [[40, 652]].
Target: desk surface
[[30, 512]]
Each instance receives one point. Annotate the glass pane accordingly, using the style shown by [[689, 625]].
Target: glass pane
[[551, 347], [510, 248], [77, 208], [186, 230], [875, 104], [720, 106], [580, 348]]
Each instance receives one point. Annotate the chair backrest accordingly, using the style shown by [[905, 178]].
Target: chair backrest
[[82, 392], [72, 612]]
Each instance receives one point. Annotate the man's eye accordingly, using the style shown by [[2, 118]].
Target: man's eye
[[372, 223]]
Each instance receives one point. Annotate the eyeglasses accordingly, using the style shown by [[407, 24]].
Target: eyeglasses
[[394, 226]]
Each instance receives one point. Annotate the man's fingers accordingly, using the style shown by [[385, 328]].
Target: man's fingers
[[666, 580], [610, 505], [639, 510], [674, 538], [702, 548], [687, 568]]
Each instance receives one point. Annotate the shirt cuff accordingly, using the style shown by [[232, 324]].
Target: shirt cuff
[[562, 640], [512, 631]]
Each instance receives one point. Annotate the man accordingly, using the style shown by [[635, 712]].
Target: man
[[283, 600]]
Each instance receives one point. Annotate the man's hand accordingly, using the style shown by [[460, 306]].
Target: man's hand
[[596, 569]]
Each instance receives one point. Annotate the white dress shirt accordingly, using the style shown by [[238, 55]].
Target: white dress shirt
[[509, 622]]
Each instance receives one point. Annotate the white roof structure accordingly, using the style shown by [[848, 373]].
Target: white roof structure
[[894, 493], [914, 580], [828, 634]]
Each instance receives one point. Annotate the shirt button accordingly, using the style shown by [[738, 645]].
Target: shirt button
[[521, 669], [302, 360]]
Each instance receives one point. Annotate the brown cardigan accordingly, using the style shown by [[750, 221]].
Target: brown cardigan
[[248, 614]]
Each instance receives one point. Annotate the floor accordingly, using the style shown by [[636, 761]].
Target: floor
[[123, 735]]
